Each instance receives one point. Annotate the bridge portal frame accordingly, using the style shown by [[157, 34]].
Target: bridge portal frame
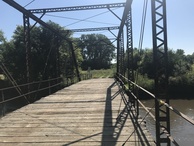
[[159, 28]]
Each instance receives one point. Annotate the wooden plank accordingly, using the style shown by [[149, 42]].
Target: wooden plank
[[83, 114]]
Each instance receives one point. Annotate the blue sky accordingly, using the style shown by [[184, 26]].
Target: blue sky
[[179, 19]]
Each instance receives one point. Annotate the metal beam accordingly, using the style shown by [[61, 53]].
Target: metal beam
[[37, 22], [120, 38], [160, 56], [112, 33], [120, 51], [74, 61], [77, 8], [114, 14], [95, 29], [27, 42], [58, 70], [29, 14], [130, 48], [130, 72], [124, 17]]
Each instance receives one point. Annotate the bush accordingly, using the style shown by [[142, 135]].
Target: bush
[[145, 82]]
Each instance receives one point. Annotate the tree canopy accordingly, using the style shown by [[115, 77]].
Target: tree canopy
[[97, 51], [92, 50], [43, 60], [178, 62]]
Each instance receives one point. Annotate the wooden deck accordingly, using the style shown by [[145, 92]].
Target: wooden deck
[[85, 114]]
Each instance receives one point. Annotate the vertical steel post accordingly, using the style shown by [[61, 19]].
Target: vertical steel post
[[118, 57], [3, 104], [120, 34], [58, 70], [26, 24], [122, 54], [130, 73], [130, 49], [74, 61], [56, 57], [160, 56]]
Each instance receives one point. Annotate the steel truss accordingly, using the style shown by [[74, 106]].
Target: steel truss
[[28, 15], [74, 60], [121, 66], [121, 55], [95, 29], [160, 50], [160, 56], [77, 8], [26, 23], [130, 73], [57, 58], [120, 38]]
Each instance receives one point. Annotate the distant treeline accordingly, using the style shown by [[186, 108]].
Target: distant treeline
[[180, 70]]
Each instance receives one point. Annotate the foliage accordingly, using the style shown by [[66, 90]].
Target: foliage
[[2, 44], [178, 62], [97, 51], [145, 82], [180, 70], [43, 53], [103, 73], [2, 38]]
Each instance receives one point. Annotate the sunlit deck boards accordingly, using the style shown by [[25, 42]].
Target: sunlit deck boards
[[83, 114]]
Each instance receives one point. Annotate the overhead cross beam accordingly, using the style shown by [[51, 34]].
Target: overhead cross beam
[[77, 8], [95, 29]]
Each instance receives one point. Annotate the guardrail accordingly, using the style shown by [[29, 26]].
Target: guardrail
[[15, 97], [123, 80]]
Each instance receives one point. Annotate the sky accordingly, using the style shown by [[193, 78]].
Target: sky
[[180, 22]]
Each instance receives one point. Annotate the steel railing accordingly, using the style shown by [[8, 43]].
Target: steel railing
[[123, 80], [37, 90]]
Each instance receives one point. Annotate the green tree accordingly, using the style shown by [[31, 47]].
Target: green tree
[[97, 51], [43, 57], [179, 63], [190, 58], [146, 65], [2, 44]]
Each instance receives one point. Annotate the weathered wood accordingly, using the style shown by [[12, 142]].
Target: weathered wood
[[87, 113]]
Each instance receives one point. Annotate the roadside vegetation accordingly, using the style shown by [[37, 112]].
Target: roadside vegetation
[[181, 72], [102, 73]]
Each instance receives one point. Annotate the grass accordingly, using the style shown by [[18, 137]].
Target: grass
[[145, 82], [103, 73]]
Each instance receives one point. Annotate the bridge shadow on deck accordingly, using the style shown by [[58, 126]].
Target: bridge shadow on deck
[[112, 128], [111, 131]]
